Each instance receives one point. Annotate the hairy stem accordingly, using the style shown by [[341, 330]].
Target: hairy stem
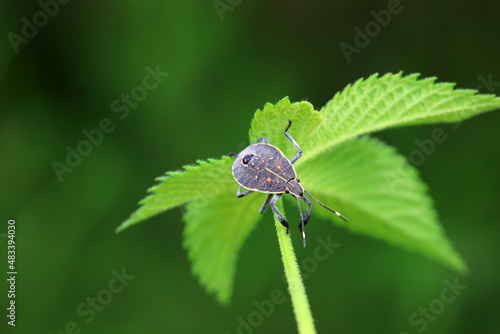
[[301, 308]]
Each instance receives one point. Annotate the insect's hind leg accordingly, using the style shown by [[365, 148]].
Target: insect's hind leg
[[240, 194], [262, 139], [278, 214], [299, 154]]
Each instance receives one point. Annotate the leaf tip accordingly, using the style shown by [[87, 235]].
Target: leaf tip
[[122, 226]]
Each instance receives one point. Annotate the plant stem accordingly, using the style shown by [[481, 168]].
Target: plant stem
[[301, 308]]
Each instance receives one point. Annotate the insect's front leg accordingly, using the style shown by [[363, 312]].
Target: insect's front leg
[[308, 211], [303, 220], [277, 213]]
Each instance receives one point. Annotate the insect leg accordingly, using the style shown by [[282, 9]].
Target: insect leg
[[302, 224], [277, 213], [266, 202], [240, 194], [309, 208], [262, 139], [299, 154]]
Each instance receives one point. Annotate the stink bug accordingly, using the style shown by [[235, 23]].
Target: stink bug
[[264, 168]]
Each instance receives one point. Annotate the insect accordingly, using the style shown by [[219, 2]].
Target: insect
[[262, 167]]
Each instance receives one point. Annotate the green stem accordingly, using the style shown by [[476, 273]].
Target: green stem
[[301, 308]]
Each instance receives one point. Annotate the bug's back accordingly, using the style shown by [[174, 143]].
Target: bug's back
[[263, 168]]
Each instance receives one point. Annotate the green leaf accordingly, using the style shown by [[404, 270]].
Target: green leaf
[[273, 119], [217, 223], [209, 178], [215, 231], [379, 103], [176, 188], [364, 179], [382, 196]]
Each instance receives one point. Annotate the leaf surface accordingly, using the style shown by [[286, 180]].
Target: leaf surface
[[215, 231], [272, 120], [378, 103], [382, 195], [363, 178], [203, 180]]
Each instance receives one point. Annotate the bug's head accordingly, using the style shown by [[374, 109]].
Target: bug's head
[[294, 188], [246, 159]]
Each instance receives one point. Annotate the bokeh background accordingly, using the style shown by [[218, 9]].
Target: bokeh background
[[222, 66]]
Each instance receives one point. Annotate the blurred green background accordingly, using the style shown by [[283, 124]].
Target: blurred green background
[[223, 66]]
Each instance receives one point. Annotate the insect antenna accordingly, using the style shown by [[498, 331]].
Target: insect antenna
[[335, 212]]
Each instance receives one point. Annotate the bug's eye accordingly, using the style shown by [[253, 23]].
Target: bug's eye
[[247, 158]]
